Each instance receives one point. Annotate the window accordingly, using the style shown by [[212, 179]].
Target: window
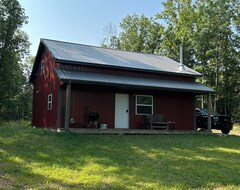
[[144, 105], [49, 102], [42, 67]]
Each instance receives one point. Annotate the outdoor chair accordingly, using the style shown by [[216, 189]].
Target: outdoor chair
[[156, 121]]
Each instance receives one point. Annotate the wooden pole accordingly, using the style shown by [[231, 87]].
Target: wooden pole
[[195, 123], [202, 101], [209, 112], [59, 106], [68, 102]]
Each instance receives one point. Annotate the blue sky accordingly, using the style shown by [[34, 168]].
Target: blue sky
[[80, 21]]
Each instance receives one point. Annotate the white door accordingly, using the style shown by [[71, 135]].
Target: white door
[[121, 111]]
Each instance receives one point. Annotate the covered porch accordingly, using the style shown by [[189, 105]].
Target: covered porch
[[170, 97]]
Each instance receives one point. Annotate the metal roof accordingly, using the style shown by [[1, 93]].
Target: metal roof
[[133, 82], [103, 57]]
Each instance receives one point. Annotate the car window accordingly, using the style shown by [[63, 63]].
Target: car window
[[216, 113], [203, 112]]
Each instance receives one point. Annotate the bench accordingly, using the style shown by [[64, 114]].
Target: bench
[[156, 121]]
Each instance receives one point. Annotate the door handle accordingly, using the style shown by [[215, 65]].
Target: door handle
[[126, 110]]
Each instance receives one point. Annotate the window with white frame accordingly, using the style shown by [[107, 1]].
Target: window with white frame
[[42, 67], [49, 105], [144, 105]]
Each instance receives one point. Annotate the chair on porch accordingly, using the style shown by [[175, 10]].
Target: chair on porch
[[156, 121]]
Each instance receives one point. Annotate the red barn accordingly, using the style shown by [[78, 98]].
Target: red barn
[[72, 80]]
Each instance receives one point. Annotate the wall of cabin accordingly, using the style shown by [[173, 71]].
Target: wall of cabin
[[86, 99], [177, 107], [45, 84]]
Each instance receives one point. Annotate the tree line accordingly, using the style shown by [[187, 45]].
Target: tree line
[[15, 91], [210, 33]]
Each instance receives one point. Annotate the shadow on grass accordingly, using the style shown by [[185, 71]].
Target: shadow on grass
[[44, 159]]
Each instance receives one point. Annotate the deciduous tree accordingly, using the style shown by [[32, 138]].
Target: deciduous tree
[[13, 47], [140, 34]]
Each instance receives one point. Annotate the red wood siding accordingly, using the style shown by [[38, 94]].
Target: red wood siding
[[175, 106], [45, 84], [127, 73], [86, 99]]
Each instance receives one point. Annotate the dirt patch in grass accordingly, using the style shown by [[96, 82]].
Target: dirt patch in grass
[[234, 131], [5, 183]]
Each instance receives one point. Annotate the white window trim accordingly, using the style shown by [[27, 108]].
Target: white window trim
[[136, 105], [49, 103], [42, 67]]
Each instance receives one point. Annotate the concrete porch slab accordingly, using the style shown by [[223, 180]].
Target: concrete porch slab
[[128, 131]]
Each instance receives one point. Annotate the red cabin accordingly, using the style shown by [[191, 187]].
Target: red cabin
[[73, 80]]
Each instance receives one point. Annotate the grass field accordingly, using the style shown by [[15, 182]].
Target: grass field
[[42, 159]]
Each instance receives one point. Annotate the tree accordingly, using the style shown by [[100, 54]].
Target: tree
[[13, 47], [140, 34], [110, 37], [217, 49], [179, 18], [12, 40], [25, 95]]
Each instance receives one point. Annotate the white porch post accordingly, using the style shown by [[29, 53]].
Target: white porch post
[[68, 102], [209, 112]]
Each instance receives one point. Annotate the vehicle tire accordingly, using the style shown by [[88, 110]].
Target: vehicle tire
[[225, 131]]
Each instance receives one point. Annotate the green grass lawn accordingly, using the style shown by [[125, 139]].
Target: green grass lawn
[[42, 159]]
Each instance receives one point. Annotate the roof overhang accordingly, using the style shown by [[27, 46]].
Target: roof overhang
[[126, 68], [131, 82]]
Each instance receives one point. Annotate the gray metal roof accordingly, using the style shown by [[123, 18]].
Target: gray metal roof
[[133, 82], [79, 54]]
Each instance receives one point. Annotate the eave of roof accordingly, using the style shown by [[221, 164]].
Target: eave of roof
[[125, 68], [36, 62], [131, 82]]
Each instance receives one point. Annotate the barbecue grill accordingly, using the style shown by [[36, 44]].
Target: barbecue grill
[[93, 119]]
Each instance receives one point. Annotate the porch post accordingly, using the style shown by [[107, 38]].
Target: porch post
[[209, 112], [195, 124], [59, 106], [68, 102]]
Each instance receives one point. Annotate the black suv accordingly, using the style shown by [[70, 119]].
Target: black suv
[[221, 122]]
